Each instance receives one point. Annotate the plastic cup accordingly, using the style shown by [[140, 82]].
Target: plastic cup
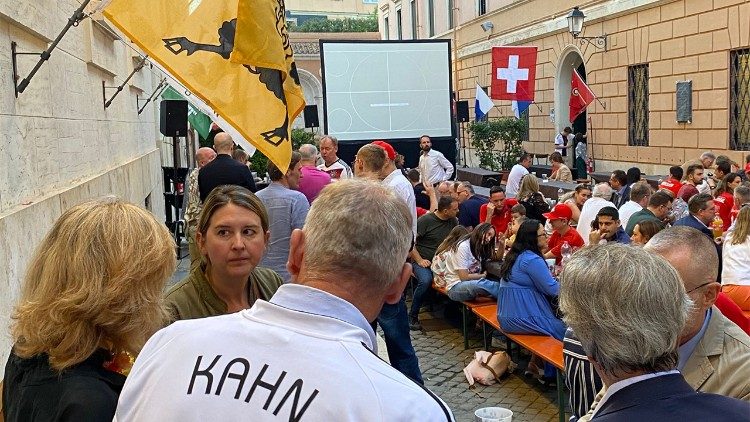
[[493, 414]]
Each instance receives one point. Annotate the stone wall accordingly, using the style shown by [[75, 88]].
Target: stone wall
[[59, 145]]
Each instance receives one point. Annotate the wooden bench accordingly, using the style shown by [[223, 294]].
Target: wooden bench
[[467, 306], [548, 348]]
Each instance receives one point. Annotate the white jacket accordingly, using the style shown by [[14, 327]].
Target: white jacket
[[305, 356]]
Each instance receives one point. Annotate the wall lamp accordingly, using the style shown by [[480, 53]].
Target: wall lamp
[[575, 26], [487, 26]]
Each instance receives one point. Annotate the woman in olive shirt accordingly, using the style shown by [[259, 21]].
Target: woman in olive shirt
[[232, 237]]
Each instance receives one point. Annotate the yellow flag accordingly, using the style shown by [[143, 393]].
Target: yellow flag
[[193, 40]]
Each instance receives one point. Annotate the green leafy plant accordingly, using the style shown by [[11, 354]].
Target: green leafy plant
[[498, 142], [368, 24]]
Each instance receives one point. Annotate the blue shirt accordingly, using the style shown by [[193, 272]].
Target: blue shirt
[[621, 236], [468, 211], [287, 210], [687, 349]]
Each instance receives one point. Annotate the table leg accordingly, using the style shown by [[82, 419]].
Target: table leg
[[560, 396], [463, 326]]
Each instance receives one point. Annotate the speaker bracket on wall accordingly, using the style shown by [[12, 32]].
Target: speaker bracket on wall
[[159, 89]]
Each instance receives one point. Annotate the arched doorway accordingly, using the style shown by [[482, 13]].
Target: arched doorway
[[313, 91], [570, 59]]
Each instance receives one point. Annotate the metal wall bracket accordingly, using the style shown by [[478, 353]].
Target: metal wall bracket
[[119, 88], [598, 42], [74, 20], [159, 89]]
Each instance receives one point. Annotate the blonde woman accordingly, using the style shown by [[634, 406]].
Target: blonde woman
[[233, 232], [533, 200], [91, 297]]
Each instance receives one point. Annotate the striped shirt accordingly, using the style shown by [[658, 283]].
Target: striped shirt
[[580, 377]]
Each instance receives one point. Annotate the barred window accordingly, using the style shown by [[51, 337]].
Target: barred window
[[739, 99], [481, 7], [431, 12], [638, 105]]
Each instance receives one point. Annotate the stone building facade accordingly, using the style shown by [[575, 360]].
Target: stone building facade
[[651, 45], [60, 146]]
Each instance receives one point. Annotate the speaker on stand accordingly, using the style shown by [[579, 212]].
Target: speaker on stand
[[173, 122], [462, 116]]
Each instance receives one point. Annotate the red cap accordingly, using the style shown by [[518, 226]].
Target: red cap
[[559, 212], [389, 151]]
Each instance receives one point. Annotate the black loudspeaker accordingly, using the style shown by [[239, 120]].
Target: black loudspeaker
[[462, 111], [311, 116], [174, 115]]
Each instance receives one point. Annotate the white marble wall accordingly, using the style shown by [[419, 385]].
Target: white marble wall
[[58, 145]]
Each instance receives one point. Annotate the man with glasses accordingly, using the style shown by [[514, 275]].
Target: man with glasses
[[658, 208], [714, 352], [469, 205]]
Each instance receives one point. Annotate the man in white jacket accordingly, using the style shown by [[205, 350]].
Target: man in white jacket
[[309, 353], [598, 200]]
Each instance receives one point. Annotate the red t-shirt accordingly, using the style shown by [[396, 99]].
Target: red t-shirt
[[724, 204], [556, 242], [747, 169], [672, 185], [501, 218], [421, 211]]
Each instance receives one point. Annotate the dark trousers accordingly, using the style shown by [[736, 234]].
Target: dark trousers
[[394, 321]]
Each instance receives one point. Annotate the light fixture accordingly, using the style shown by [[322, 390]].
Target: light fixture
[[575, 27], [487, 26]]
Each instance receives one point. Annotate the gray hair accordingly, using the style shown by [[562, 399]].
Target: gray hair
[[602, 190], [708, 154], [333, 139], [742, 193], [628, 317], [640, 190], [359, 231], [308, 152], [468, 187], [687, 241]]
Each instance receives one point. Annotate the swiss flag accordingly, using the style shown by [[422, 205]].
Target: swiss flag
[[580, 96], [513, 73]]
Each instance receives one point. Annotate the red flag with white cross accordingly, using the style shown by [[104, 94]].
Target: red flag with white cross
[[580, 96], [513, 73]]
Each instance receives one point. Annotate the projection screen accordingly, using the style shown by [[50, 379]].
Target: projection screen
[[386, 89]]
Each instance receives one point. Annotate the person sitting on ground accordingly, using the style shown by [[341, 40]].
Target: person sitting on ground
[[640, 193], [310, 350], [525, 289], [497, 211], [672, 183], [232, 236], [631, 336], [90, 299], [735, 275], [559, 219], [644, 231], [693, 178], [465, 272], [532, 199], [599, 199], [575, 200], [724, 200], [560, 171], [469, 205], [607, 228], [432, 229], [658, 208]]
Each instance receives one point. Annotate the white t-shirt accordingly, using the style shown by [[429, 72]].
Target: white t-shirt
[[461, 259], [514, 180], [560, 143], [405, 191], [588, 214], [306, 355], [736, 262], [338, 170]]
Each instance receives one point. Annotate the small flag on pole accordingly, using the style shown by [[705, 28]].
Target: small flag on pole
[[580, 96], [482, 105], [519, 107]]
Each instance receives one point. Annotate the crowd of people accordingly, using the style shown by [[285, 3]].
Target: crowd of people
[[288, 283]]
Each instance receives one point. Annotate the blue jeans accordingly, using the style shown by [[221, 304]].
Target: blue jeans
[[470, 289], [424, 281], [394, 321]]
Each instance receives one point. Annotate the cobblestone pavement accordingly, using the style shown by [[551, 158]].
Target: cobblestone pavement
[[442, 357]]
